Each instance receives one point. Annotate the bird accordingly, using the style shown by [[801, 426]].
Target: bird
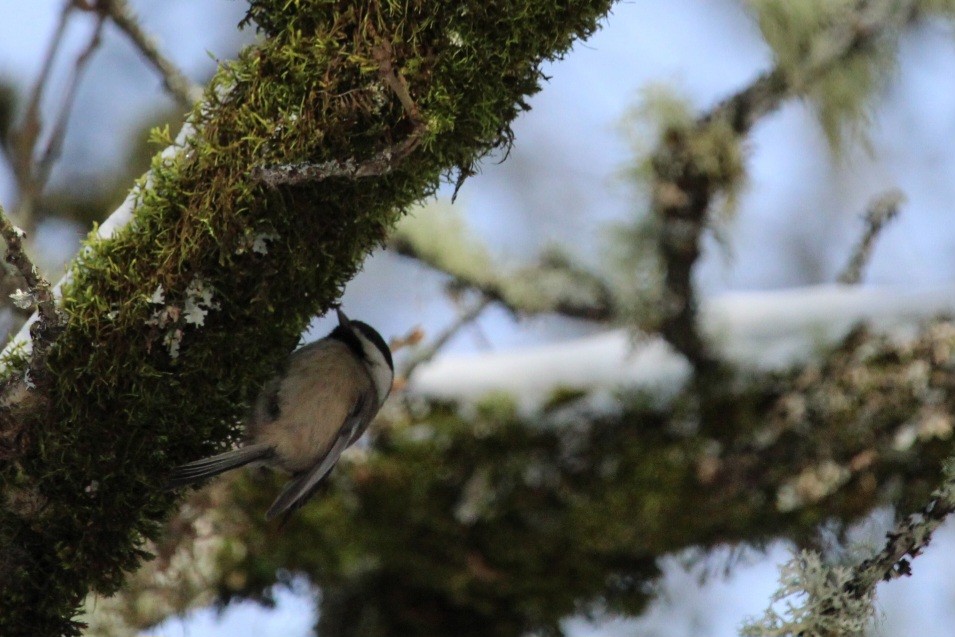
[[308, 414]]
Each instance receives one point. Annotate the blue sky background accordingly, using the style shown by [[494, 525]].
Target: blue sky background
[[796, 222]]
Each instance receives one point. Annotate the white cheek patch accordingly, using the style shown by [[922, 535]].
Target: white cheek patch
[[381, 373]]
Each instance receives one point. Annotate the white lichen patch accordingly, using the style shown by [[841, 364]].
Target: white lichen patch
[[455, 38], [260, 242], [158, 296], [814, 599], [199, 302], [23, 299], [173, 340]]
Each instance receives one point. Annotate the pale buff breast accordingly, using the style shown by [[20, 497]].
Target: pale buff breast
[[316, 396]]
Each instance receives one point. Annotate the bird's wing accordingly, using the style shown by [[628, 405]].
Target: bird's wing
[[298, 490]]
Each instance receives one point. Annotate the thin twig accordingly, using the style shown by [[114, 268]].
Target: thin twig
[[24, 138], [38, 288], [384, 55], [182, 89], [32, 171], [55, 144], [907, 540], [881, 211], [425, 354]]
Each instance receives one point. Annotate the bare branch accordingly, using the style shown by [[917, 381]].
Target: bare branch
[[182, 89], [553, 285], [24, 138], [38, 288], [384, 54], [907, 540], [55, 144], [16, 396], [465, 318], [32, 171], [881, 211]]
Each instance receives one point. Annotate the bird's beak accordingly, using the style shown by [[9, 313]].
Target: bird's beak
[[342, 319]]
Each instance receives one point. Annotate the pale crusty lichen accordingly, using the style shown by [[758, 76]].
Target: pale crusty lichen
[[838, 52], [813, 600]]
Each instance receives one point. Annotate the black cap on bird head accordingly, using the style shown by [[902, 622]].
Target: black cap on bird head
[[348, 331]]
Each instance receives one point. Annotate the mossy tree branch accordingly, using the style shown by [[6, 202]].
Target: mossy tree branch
[[174, 321]]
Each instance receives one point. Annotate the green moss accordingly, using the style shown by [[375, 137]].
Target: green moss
[[123, 410]]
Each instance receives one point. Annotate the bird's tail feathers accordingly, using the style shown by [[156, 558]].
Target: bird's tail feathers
[[208, 467]]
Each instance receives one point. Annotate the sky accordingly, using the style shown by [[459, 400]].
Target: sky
[[563, 183]]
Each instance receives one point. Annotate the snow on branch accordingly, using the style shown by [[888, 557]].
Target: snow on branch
[[761, 330], [116, 220]]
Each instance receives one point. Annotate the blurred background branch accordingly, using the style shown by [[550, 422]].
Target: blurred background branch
[[700, 160], [436, 238], [880, 212]]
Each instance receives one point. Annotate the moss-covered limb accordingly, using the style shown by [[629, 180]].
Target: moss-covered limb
[[490, 524], [435, 237], [179, 579], [836, 53], [176, 319]]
